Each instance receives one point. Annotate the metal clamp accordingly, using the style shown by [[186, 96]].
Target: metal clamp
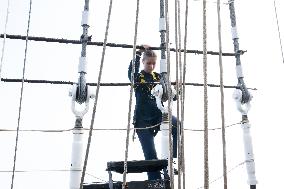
[[157, 92], [242, 107], [72, 93]]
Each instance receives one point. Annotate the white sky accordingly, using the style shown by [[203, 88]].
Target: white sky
[[47, 106]]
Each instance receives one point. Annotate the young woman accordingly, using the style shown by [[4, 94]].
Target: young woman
[[146, 112]]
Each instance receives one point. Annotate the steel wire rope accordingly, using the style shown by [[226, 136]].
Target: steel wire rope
[[104, 129], [35, 81], [183, 96], [96, 97], [206, 158], [131, 94], [21, 95], [222, 96], [178, 80], [169, 93], [54, 40], [4, 37], [220, 177], [278, 28]]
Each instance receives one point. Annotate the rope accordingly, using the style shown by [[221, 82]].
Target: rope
[[169, 94], [21, 96], [68, 170], [66, 41], [245, 94], [215, 2], [81, 95], [279, 34], [206, 167], [178, 74], [104, 129], [124, 186], [96, 97], [162, 32], [49, 170], [183, 96], [108, 84], [220, 177], [4, 36], [222, 97]]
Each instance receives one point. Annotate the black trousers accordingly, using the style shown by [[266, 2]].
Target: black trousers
[[146, 139]]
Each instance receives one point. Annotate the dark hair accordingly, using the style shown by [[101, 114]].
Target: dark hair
[[148, 53]]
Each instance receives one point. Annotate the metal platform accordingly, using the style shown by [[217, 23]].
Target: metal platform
[[147, 184], [139, 166]]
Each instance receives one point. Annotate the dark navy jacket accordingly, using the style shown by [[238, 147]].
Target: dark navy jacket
[[146, 110]]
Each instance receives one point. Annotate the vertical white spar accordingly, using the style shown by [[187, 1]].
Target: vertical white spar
[[158, 93], [76, 159], [77, 143], [80, 104], [243, 98], [161, 90], [248, 147]]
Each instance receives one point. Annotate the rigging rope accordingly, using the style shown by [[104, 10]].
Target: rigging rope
[[21, 95], [178, 80], [108, 84], [183, 95], [82, 89], [222, 97], [218, 178], [124, 186], [68, 170], [169, 91], [4, 38], [279, 34], [104, 129], [224, 3], [206, 167], [96, 97], [45, 39], [245, 93]]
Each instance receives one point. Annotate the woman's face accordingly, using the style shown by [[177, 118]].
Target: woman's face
[[149, 64]]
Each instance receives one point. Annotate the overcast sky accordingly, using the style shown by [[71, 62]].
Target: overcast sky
[[45, 106]]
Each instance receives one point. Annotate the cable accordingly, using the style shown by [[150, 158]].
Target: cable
[[45, 39], [222, 97], [279, 34], [178, 80], [68, 170], [104, 129], [49, 170], [218, 178], [124, 186], [4, 38], [206, 167], [183, 96], [245, 93], [21, 96], [34, 81], [96, 97], [169, 93], [216, 2]]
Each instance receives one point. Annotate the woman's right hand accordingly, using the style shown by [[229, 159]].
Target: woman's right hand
[[145, 47]]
